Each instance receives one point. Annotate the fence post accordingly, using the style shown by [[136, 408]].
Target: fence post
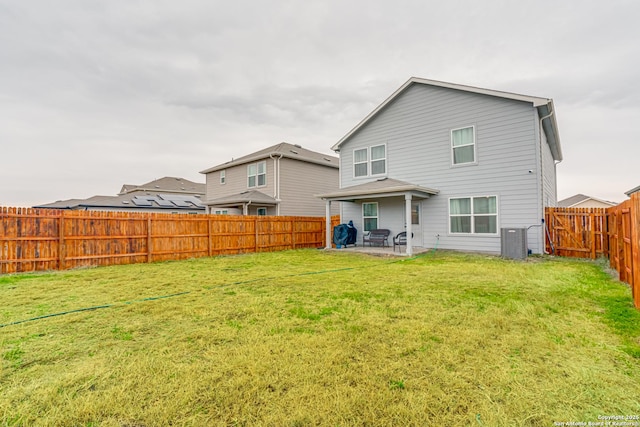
[[256, 230], [61, 243], [149, 238], [210, 245], [293, 235], [635, 248]]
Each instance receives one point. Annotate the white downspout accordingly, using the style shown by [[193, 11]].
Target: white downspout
[[541, 130], [276, 174]]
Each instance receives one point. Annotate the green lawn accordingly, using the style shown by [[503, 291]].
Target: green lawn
[[311, 337]]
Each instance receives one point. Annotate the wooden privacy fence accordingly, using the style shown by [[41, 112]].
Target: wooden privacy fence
[[37, 240], [613, 233]]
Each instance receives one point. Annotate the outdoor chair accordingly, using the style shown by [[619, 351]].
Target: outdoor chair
[[400, 240], [379, 236]]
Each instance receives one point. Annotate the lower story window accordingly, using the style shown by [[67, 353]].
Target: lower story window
[[370, 216], [221, 212], [262, 211], [473, 215]]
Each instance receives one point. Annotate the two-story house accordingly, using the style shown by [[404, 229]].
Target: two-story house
[[451, 165], [279, 180]]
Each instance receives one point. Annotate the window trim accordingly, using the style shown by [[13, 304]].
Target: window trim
[[223, 176], [377, 217], [368, 162], [474, 144], [257, 174], [472, 215], [262, 209]]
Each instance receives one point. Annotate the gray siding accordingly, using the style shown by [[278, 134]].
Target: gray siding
[[416, 129], [236, 182], [300, 182]]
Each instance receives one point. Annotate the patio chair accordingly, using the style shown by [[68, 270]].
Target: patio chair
[[400, 240]]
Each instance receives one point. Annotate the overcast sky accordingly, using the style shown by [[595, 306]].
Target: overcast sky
[[97, 94]]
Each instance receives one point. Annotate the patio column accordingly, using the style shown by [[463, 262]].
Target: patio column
[[328, 222], [407, 202]]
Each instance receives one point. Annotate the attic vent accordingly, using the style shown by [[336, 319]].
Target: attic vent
[[328, 160], [297, 145], [294, 151]]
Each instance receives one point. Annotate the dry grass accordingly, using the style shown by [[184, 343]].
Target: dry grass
[[444, 339]]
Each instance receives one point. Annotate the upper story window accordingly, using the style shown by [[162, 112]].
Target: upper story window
[[370, 161], [463, 145], [473, 215], [222, 177], [257, 174]]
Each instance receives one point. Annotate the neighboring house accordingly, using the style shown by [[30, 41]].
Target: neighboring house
[[633, 190], [167, 195], [451, 165], [582, 201], [279, 180]]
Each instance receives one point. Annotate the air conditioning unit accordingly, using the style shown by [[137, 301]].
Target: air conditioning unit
[[514, 243]]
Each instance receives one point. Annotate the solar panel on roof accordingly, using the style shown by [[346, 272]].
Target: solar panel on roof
[[141, 202]]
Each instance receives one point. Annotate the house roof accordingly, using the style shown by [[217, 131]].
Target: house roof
[[633, 190], [251, 196], [384, 187], [173, 202], [167, 184], [580, 198], [544, 106], [283, 149]]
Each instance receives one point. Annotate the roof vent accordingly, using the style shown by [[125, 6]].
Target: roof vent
[[328, 160], [126, 202], [297, 145], [294, 151]]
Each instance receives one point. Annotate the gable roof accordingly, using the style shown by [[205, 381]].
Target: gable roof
[[283, 149], [544, 106], [167, 184], [572, 201]]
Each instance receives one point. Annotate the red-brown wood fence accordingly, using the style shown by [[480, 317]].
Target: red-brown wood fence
[[37, 240], [613, 233]]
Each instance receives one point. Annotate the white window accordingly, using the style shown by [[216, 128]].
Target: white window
[[370, 216], [360, 162], [222, 176], [463, 145], [262, 211], [257, 174], [473, 215], [370, 161]]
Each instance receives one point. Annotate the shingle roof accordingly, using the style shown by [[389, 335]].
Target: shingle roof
[[167, 184], [283, 149], [579, 198], [253, 196], [379, 188], [173, 202]]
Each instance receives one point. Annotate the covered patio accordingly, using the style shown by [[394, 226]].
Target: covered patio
[[375, 190]]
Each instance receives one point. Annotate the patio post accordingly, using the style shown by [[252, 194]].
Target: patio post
[[407, 202], [328, 222]]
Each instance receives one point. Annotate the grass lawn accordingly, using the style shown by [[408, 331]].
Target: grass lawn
[[312, 337]]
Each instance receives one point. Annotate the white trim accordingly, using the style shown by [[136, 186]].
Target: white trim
[[377, 217], [256, 176], [475, 151], [472, 215], [369, 161]]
